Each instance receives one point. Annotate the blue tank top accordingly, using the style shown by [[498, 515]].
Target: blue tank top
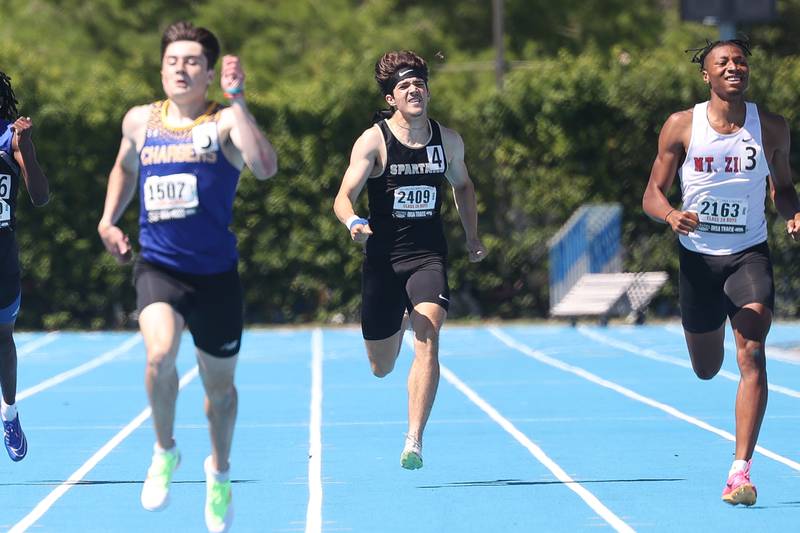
[[186, 193]]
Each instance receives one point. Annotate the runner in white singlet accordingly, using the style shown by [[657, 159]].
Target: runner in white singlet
[[726, 151]]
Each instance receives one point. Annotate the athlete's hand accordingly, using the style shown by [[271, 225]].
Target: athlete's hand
[[360, 232], [683, 222], [232, 75], [477, 251], [793, 226], [116, 242], [22, 128]]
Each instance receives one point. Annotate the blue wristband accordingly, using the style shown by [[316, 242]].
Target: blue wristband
[[233, 92], [363, 221]]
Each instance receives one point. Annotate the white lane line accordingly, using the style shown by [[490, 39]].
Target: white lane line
[[44, 505], [777, 354], [655, 356], [35, 344], [556, 363], [82, 369], [591, 500], [314, 509]]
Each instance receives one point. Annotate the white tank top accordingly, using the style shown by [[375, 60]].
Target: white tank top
[[723, 180]]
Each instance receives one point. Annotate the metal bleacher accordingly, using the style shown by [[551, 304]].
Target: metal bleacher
[[586, 278]]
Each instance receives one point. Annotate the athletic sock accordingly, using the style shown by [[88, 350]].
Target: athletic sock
[[219, 477], [159, 449], [737, 466], [8, 412]]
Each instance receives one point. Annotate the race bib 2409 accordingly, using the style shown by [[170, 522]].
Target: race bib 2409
[[414, 201]]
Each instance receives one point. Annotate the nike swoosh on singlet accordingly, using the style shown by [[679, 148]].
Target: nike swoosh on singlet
[[404, 72], [443, 298], [747, 140]]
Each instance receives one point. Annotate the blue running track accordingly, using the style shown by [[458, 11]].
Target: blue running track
[[535, 428]]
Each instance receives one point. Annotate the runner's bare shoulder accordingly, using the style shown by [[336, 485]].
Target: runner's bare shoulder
[[678, 127], [135, 121]]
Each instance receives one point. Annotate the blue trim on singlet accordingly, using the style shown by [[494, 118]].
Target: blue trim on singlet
[[201, 242], [9, 313], [6, 136]]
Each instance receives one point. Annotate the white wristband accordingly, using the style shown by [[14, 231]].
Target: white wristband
[[350, 220], [353, 220]]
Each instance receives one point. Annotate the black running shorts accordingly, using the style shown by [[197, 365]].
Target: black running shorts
[[713, 287], [9, 268], [211, 304], [388, 289]]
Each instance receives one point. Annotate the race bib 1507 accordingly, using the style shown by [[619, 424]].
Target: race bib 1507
[[172, 196]]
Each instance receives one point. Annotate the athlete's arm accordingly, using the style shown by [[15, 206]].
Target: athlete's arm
[[363, 157], [122, 182], [463, 193], [777, 144], [671, 148], [25, 156], [256, 151]]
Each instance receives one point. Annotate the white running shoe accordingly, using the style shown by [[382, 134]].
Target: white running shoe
[[155, 491], [411, 458], [219, 501]]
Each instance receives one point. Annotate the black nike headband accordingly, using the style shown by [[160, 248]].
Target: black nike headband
[[403, 74]]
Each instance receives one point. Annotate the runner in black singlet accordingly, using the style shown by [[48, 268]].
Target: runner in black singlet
[[404, 160]]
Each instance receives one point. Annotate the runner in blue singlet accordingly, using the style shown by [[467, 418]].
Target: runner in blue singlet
[[184, 155], [17, 159]]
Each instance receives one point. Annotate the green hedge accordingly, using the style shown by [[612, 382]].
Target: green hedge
[[577, 121]]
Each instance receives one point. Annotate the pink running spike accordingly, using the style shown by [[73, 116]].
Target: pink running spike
[[739, 489]]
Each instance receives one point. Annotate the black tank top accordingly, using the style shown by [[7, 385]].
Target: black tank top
[[405, 200]]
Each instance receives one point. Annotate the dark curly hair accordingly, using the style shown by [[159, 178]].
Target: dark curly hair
[[701, 52], [8, 102]]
